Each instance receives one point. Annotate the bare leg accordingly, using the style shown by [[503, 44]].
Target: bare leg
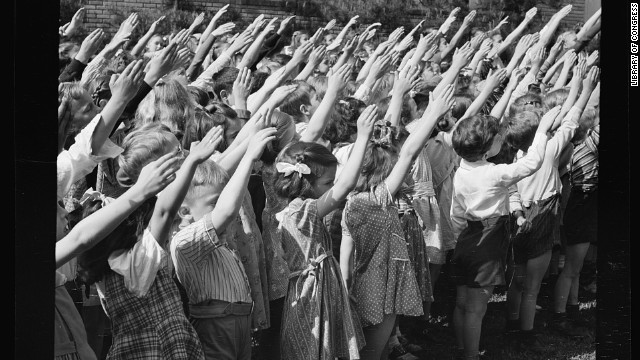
[[536, 269], [569, 276], [458, 315], [514, 294], [476, 307]]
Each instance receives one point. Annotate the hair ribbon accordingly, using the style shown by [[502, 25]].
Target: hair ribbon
[[92, 195], [289, 169]]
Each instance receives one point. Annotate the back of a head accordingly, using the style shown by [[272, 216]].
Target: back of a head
[[520, 129], [300, 96], [140, 147], [257, 81], [169, 103], [320, 84], [70, 90], [380, 156], [555, 98], [223, 80], [197, 127], [344, 118], [207, 173], [474, 136], [199, 95], [285, 134], [528, 101], [317, 157], [462, 103], [590, 117]]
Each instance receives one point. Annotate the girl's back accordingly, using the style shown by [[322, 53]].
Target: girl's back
[[382, 261]]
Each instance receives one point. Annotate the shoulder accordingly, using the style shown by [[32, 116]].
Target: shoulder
[[191, 233]]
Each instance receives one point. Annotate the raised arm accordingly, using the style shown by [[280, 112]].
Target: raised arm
[[515, 33], [123, 88], [569, 60], [402, 84], [579, 71], [91, 230], [500, 107], [229, 202], [315, 58], [343, 33], [461, 58], [205, 47], [251, 55], [171, 198], [320, 118], [493, 81], [549, 30], [466, 23], [212, 24], [416, 141], [138, 49], [331, 199]]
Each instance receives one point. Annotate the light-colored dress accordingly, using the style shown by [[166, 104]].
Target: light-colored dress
[[319, 320], [383, 280], [247, 241]]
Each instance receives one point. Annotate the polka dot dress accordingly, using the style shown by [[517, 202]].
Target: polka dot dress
[[383, 280]]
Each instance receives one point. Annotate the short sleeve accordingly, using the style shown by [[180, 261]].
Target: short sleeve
[[138, 265], [304, 214], [382, 194]]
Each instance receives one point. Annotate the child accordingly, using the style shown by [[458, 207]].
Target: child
[[540, 196], [479, 213], [220, 301], [383, 282], [131, 267], [319, 321], [70, 338], [580, 222]]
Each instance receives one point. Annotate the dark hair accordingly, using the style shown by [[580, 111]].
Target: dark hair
[[317, 157], [257, 81], [200, 96], [285, 134], [223, 80], [281, 59], [199, 126], [462, 103], [520, 129], [300, 96], [93, 264], [474, 135], [344, 120]]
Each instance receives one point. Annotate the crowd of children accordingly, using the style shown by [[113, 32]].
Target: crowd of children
[[220, 184]]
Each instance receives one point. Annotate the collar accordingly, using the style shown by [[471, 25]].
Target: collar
[[468, 165]]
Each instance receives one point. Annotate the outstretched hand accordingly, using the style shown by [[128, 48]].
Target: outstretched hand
[[442, 103], [366, 121], [202, 150], [125, 86], [260, 140], [156, 175], [548, 119], [75, 24]]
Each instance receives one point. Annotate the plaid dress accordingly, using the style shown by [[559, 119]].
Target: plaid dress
[[319, 320], [150, 327]]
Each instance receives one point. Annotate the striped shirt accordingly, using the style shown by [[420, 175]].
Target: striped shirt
[[206, 266], [584, 162]]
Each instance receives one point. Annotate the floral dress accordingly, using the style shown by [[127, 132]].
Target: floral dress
[[319, 320], [383, 280]]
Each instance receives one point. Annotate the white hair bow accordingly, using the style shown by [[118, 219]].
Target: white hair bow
[[92, 195], [280, 217], [288, 169]]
